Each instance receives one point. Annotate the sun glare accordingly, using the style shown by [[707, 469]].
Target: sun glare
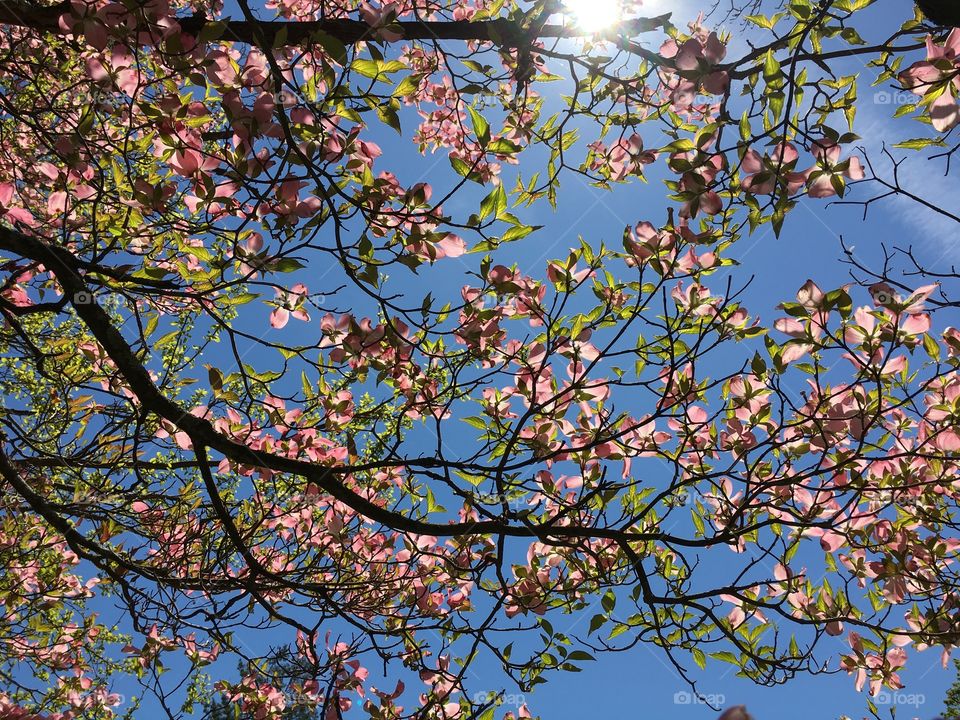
[[595, 15]]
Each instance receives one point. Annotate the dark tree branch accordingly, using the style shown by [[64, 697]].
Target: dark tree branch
[[500, 31]]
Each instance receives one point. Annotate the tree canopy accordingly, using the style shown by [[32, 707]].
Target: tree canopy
[[288, 381]]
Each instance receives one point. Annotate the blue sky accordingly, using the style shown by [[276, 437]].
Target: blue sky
[[641, 683]]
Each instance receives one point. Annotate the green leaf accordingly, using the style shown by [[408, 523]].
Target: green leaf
[[765, 22], [698, 522], [151, 325], [494, 204], [373, 69], [597, 622], [480, 127], [771, 67], [367, 68], [407, 86], [286, 265], [388, 116], [166, 339], [919, 143], [502, 146], [462, 168], [216, 379], [725, 656], [331, 45], [620, 629], [852, 36], [518, 232], [432, 504], [211, 30], [243, 298]]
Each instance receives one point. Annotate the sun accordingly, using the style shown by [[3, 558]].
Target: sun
[[594, 15]]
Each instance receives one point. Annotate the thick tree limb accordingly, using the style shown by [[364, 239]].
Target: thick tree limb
[[65, 267], [502, 32]]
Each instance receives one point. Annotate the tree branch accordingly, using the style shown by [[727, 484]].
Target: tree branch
[[500, 31]]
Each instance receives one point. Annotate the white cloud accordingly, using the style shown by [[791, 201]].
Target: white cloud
[[934, 233]]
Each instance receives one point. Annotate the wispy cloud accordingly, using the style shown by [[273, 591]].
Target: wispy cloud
[[937, 235]]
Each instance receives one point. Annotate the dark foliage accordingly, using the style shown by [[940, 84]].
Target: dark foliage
[[941, 12]]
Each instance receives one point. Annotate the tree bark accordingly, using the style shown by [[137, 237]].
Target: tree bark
[[500, 31]]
